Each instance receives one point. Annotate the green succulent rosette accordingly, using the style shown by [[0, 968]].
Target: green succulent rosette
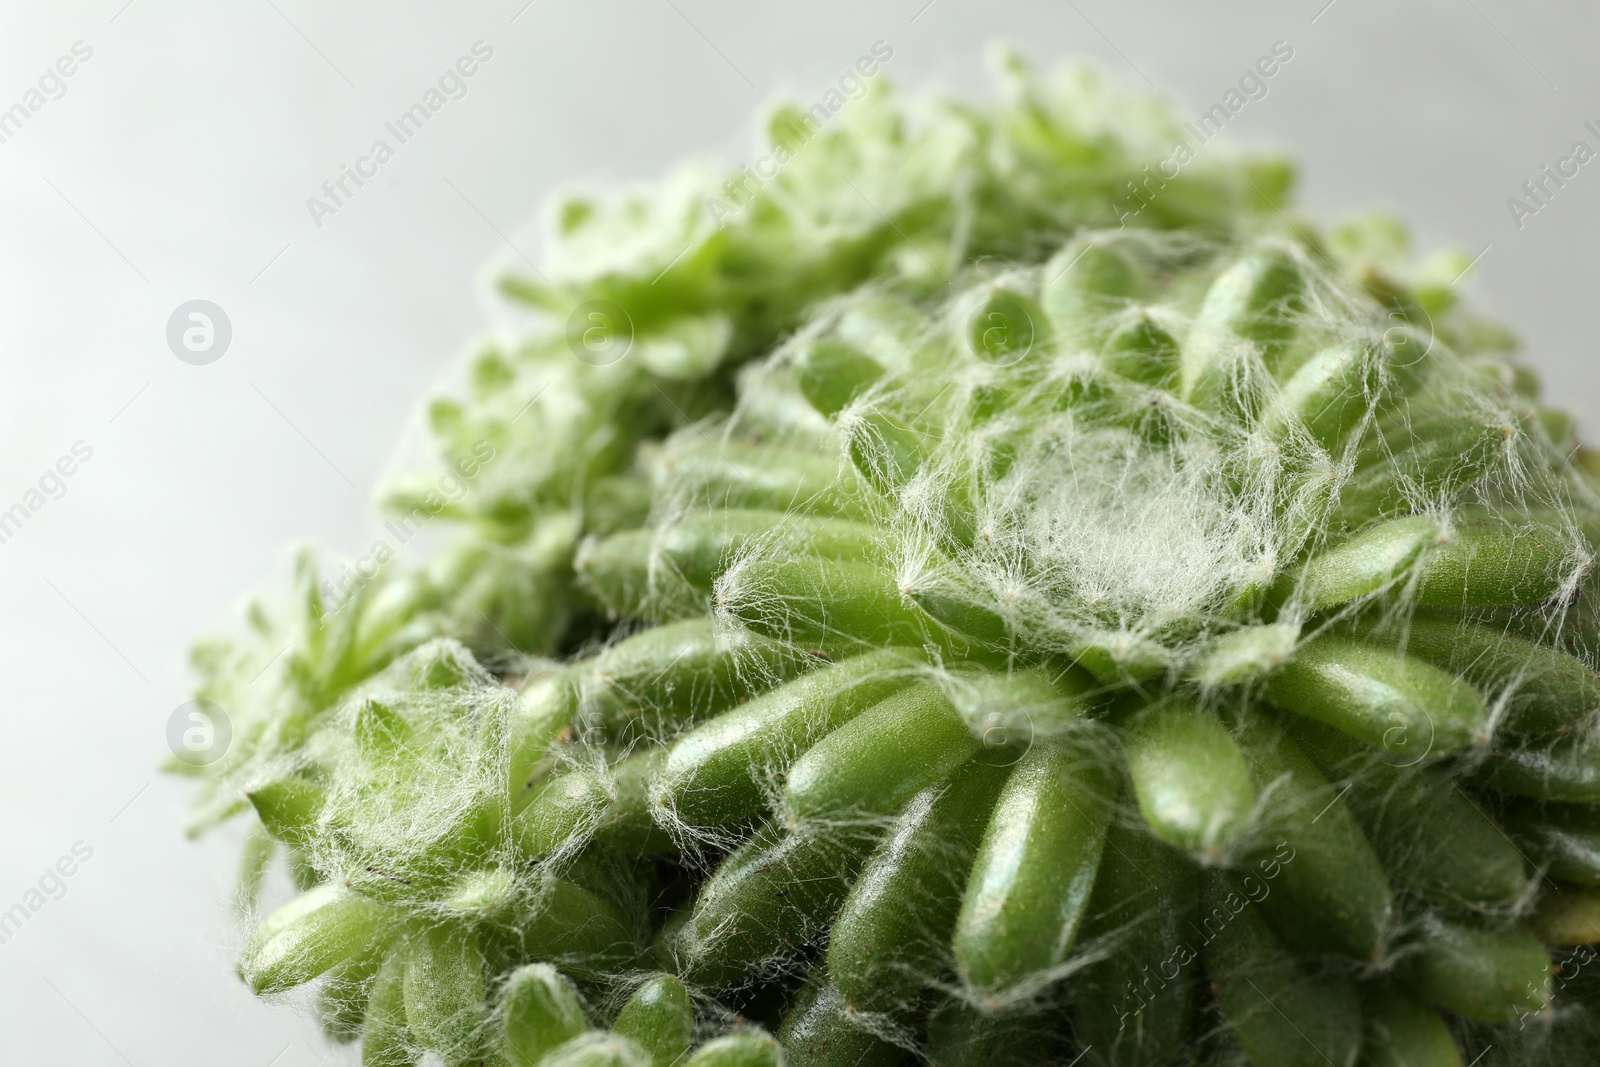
[[943, 616]]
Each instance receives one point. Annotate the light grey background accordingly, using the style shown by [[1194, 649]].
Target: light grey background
[[177, 167]]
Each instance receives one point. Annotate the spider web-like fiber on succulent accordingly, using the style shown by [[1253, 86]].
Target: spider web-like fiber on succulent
[[1123, 515]]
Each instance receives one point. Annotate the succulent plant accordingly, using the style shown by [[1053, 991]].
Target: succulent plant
[[959, 630]]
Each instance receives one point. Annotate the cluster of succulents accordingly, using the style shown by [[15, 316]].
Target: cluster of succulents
[[959, 629]]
